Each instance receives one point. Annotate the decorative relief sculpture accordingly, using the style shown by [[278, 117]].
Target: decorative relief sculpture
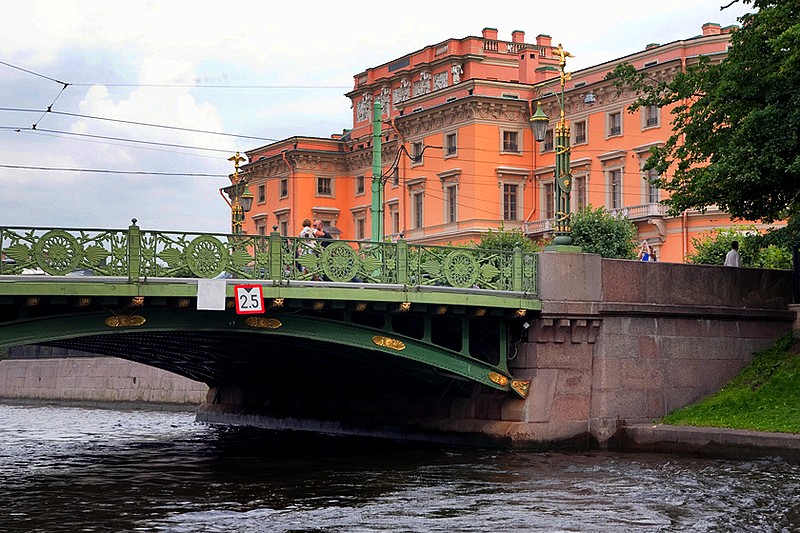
[[456, 71], [364, 108], [440, 81], [385, 99], [402, 93], [423, 86]]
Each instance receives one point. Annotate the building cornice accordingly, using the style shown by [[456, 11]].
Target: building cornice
[[464, 110]]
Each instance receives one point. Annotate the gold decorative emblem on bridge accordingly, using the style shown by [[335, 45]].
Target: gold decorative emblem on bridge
[[263, 323], [521, 387], [388, 342], [125, 321], [500, 379]]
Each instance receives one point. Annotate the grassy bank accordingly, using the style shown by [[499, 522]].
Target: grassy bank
[[765, 396]]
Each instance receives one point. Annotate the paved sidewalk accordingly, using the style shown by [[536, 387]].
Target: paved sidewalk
[[709, 441]]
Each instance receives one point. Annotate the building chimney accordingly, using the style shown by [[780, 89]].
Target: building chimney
[[490, 33], [527, 67], [517, 36], [544, 40], [711, 28]]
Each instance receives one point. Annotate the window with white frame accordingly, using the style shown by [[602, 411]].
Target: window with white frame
[[451, 204], [614, 120], [394, 218], [283, 224], [359, 185], [360, 224], [548, 199], [511, 141], [417, 209], [262, 194], [416, 153], [450, 144], [548, 143], [652, 188], [579, 132], [396, 176], [324, 186], [615, 188], [651, 116], [510, 201], [579, 193], [284, 188]]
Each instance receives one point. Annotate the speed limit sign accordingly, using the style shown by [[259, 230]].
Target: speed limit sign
[[249, 299]]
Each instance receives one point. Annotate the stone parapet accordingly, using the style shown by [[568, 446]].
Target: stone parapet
[[623, 342]]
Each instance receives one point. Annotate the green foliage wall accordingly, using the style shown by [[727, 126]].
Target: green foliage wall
[[755, 250], [597, 231], [504, 239]]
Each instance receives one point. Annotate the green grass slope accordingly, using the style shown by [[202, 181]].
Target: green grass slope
[[765, 396]]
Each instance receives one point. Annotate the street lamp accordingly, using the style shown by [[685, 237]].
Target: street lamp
[[242, 198], [563, 173]]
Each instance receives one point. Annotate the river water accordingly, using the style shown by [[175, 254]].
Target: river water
[[75, 469]]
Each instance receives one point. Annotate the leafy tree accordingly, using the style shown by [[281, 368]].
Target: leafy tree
[[775, 257], [712, 246], [735, 138], [597, 231], [506, 239]]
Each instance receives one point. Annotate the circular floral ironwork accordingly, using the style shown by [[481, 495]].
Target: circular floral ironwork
[[206, 256], [57, 252], [339, 262], [461, 269]]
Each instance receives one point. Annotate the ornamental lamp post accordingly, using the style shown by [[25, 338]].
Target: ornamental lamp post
[[563, 172], [241, 197]]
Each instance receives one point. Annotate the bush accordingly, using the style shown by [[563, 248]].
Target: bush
[[503, 239], [597, 231], [755, 250]]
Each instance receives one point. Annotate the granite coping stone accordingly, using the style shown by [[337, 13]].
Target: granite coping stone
[[707, 441]]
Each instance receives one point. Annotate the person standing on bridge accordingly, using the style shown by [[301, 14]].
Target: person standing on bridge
[[320, 233], [733, 259], [305, 244]]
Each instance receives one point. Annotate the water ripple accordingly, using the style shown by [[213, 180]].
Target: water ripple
[[69, 469]]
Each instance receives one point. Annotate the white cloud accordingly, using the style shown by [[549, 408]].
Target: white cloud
[[235, 43]]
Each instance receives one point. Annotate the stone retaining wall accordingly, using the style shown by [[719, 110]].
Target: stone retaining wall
[[95, 379]]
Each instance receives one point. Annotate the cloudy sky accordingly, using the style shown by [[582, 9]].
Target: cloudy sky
[[248, 69]]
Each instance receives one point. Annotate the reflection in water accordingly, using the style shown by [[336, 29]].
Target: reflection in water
[[70, 469]]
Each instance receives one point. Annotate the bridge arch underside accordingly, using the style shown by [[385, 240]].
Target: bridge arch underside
[[286, 356]]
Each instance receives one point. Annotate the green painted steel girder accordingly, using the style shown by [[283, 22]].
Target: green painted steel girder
[[301, 328], [187, 288]]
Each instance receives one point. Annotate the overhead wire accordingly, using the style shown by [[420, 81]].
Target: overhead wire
[[107, 137], [137, 123], [108, 171], [35, 128]]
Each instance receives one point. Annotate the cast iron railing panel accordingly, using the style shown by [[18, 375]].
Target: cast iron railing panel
[[142, 254]]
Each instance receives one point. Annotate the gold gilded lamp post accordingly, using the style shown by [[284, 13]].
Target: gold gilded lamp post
[[563, 173], [240, 195]]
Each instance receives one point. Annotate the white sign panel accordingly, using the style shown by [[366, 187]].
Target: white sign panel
[[249, 299], [211, 294]]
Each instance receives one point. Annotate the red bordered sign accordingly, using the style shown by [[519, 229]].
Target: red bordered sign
[[249, 299]]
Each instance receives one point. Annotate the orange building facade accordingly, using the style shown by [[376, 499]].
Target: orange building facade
[[458, 154]]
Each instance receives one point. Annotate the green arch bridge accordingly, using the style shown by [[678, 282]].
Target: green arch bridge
[[388, 315]]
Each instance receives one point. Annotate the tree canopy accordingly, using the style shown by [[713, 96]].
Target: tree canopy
[[597, 231], [735, 139]]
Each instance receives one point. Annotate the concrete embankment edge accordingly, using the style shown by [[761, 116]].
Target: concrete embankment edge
[[95, 382], [706, 441]]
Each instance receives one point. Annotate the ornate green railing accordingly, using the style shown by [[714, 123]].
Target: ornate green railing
[[141, 254]]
